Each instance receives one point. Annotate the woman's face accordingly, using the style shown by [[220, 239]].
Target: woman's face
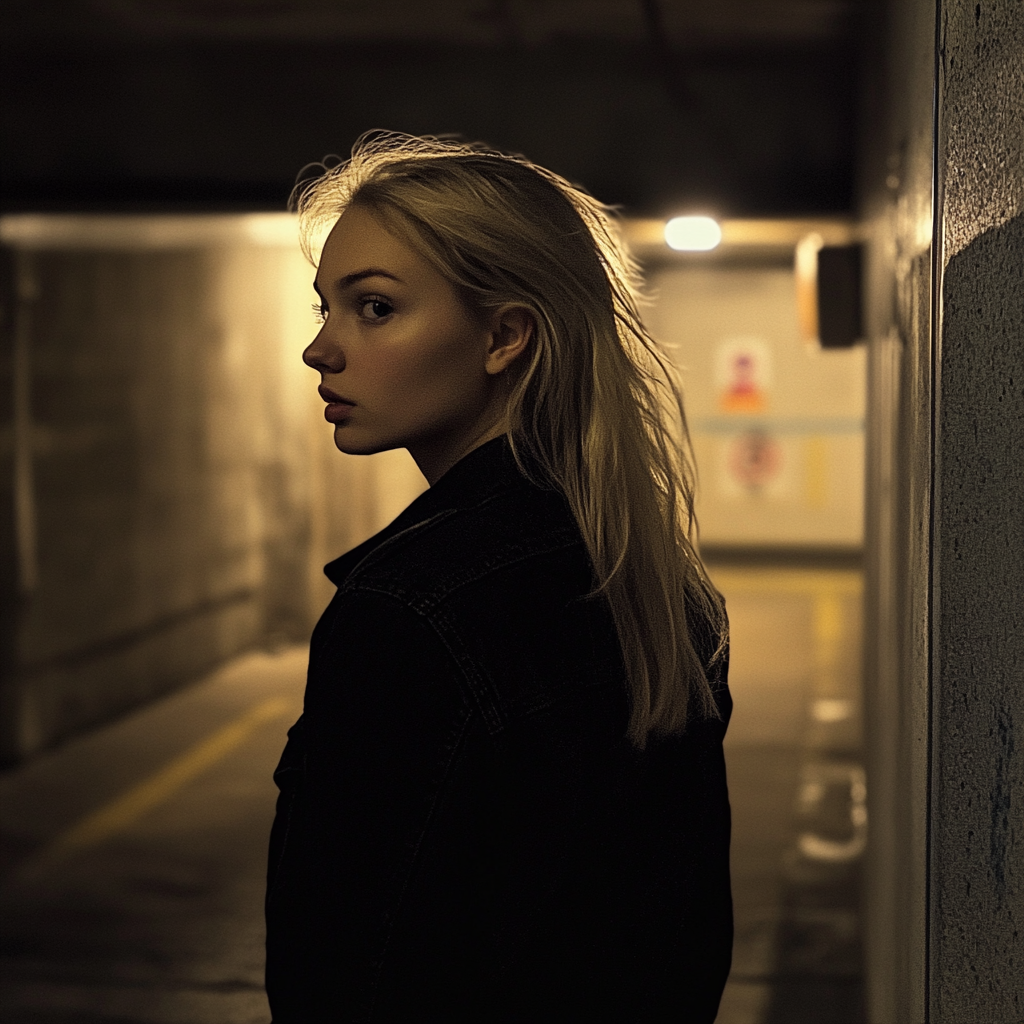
[[403, 362]]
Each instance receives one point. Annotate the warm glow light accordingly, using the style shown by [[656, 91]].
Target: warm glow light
[[692, 234], [807, 286]]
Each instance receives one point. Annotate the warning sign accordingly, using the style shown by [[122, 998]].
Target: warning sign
[[743, 375], [754, 460]]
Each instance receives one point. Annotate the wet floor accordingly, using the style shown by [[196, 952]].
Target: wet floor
[[133, 858], [797, 788]]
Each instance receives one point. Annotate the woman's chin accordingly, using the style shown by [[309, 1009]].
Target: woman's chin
[[354, 442]]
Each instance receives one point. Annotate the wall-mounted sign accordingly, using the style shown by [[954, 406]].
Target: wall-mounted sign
[[743, 375], [754, 461]]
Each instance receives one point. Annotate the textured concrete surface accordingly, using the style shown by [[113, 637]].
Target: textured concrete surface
[[945, 535], [981, 135], [160, 473], [977, 850], [978, 771]]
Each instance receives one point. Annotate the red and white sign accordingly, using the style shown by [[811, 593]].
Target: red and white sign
[[743, 375], [754, 460]]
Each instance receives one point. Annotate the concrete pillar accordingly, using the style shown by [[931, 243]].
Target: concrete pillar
[[944, 634]]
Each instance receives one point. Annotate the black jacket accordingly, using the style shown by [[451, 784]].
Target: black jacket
[[463, 832]]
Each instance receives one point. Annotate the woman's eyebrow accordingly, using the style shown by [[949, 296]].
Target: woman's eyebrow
[[350, 279], [359, 275]]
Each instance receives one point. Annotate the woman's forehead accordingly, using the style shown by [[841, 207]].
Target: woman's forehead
[[361, 245], [360, 239]]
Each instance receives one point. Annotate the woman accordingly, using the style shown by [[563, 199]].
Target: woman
[[505, 799]]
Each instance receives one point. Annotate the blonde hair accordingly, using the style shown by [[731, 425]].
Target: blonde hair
[[595, 412]]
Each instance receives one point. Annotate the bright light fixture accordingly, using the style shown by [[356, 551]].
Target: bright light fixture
[[692, 234]]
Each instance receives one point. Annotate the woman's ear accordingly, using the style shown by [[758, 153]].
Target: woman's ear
[[512, 328]]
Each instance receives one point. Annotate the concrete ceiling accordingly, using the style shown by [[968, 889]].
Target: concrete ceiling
[[687, 24], [745, 107]]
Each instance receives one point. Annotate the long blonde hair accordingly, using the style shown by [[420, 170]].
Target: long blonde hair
[[595, 411]]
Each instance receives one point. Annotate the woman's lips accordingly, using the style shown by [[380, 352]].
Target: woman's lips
[[336, 412], [338, 408]]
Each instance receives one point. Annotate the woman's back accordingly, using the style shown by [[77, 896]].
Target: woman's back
[[464, 831]]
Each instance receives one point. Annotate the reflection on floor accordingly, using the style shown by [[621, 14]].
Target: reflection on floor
[[133, 858], [798, 794]]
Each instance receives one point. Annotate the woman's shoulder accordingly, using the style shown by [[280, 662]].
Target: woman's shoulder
[[455, 546]]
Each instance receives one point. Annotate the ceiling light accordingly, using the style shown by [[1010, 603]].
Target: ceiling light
[[692, 234]]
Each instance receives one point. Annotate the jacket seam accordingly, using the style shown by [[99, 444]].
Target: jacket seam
[[400, 539], [426, 603], [478, 682]]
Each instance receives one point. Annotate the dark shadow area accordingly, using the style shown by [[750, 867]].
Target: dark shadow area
[[155, 125], [819, 972]]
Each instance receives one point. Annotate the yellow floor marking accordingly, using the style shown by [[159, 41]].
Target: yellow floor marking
[[117, 815]]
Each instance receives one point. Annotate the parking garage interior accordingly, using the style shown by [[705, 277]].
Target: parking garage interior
[[171, 492]]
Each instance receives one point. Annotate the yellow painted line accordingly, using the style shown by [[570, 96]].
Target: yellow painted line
[[120, 813]]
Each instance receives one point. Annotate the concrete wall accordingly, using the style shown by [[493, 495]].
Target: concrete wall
[[172, 491], [977, 854], [944, 188], [781, 462]]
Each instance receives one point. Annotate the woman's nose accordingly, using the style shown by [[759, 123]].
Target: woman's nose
[[323, 355]]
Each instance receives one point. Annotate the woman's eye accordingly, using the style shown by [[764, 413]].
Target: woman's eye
[[376, 309], [319, 312]]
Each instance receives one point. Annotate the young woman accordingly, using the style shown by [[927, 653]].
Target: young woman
[[505, 799]]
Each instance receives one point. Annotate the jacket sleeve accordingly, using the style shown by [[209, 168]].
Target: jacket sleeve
[[383, 731]]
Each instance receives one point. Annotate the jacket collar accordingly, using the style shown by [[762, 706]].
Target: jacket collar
[[472, 480]]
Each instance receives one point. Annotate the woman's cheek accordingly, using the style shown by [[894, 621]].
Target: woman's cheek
[[413, 370], [403, 376]]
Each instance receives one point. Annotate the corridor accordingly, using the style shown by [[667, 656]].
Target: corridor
[[824, 200]]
